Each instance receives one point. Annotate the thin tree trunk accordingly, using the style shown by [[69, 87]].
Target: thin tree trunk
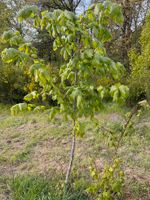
[[72, 152], [73, 146]]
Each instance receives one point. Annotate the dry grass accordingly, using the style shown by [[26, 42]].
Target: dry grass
[[31, 144]]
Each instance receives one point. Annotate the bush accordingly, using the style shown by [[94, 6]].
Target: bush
[[139, 81], [107, 185], [12, 84]]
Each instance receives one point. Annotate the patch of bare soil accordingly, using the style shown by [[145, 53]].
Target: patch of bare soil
[[138, 175], [144, 123], [50, 154], [53, 154], [27, 127], [115, 117]]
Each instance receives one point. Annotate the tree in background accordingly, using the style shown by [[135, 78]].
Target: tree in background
[[15, 82], [4, 17], [126, 36], [12, 78], [70, 5], [139, 81]]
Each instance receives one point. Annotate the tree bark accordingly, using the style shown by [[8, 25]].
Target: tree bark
[[72, 152]]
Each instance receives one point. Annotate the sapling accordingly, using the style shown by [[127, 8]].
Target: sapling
[[80, 40]]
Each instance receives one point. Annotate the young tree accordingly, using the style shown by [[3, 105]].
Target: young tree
[[78, 89]]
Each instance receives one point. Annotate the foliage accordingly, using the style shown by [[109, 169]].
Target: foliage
[[108, 184], [126, 37], [139, 81], [84, 58], [5, 14], [12, 83], [26, 12]]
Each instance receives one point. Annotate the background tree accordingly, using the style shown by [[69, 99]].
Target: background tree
[[15, 82], [139, 81], [126, 36], [70, 5]]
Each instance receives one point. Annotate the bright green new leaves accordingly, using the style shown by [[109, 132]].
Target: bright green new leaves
[[18, 107], [27, 12], [33, 95], [10, 55], [79, 128], [41, 74], [108, 10], [139, 82], [28, 49], [116, 14], [13, 38], [22, 107], [119, 92], [13, 55], [108, 184], [7, 35], [101, 90], [77, 88]]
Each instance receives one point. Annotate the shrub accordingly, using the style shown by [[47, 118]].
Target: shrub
[[107, 185], [139, 81], [12, 83]]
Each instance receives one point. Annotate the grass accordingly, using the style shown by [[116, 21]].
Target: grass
[[31, 144], [41, 188]]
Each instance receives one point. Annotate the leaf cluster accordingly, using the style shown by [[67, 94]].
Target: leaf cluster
[[108, 184], [81, 42]]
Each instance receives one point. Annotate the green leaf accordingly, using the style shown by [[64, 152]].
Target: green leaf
[[75, 93], [80, 129], [104, 34], [79, 100], [18, 108], [116, 13], [119, 92], [97, 9], [16, 40], [31, 96], [53, 112], [124, 90], [88, 53], [27, 12], [40, 108], [101, 91], [10, 55], [7, 35], [70, 15]]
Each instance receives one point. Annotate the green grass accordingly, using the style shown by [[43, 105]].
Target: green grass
[[39, 188], [31, 143]]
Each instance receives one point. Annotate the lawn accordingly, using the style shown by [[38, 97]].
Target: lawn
[[34, 152]]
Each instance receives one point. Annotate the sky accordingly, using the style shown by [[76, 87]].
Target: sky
[[84, 5]]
